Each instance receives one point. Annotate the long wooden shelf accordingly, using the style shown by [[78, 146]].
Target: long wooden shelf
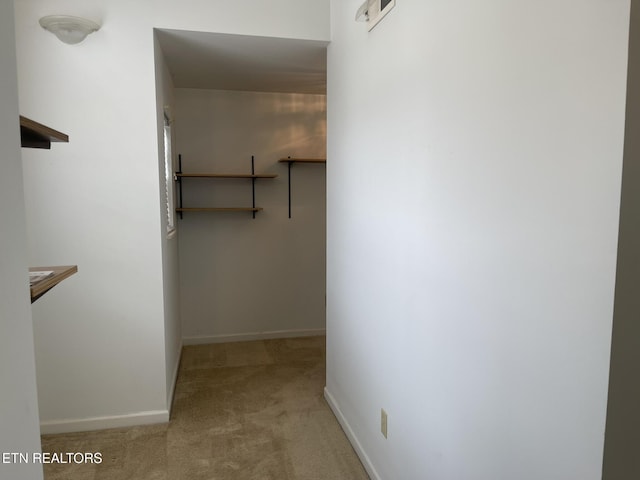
[[303, 160], [43, 286], [220, 209], [37, 135], [225, 175]]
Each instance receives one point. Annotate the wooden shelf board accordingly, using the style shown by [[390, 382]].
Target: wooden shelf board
[[303, 160], [220, 209], [59, 274], [226, 175], [36, 135]]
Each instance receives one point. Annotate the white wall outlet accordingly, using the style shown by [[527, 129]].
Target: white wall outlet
[[383, 422]]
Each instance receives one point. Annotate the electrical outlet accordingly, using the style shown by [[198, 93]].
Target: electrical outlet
[[383, 422]]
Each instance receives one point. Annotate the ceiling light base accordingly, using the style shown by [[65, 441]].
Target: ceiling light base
[[68, 29]]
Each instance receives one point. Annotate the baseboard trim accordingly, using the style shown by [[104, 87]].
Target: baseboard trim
[[102, 423], [172, 390], [355, 443], [247, 337]]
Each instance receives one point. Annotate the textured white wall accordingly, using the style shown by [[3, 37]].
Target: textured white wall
[[474, 167], [101, 349], [241, 277], [19, 431]]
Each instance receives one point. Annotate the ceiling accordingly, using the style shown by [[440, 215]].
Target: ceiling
[[221, 61]]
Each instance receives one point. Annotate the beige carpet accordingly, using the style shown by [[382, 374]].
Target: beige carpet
[[242, 411]]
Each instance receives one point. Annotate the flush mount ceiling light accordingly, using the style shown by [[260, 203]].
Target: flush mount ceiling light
[[69, 29]]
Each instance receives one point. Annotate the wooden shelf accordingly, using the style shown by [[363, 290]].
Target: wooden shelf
[[59, 274], [224, 175], [220, 209], [303, 160], [36, 135], [179, 175]]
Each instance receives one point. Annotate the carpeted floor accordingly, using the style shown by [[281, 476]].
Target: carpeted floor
[[242, 411]]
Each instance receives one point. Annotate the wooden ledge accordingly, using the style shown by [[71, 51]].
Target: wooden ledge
[[225, 175], [43, 286], [36, 135], [303, 160]]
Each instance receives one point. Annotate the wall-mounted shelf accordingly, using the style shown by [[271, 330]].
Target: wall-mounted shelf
[[43, 286], [290, 161], [179, 175], [37, 135], [220, 209], [224, 175], [302, 160]]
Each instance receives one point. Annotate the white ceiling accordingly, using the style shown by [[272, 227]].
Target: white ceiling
[[238, 62]]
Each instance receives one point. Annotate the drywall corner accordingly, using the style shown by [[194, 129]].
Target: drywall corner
[[19, 431]]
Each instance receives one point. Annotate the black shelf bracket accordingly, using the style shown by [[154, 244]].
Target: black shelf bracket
[[253, 187], [289, 162], [178, 179]]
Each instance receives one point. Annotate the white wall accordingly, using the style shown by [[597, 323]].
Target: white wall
[[240, 277], [19, 430], [474, 167], [95, 203], [101, 347]]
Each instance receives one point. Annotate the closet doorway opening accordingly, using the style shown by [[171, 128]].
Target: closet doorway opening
[[251, 257]]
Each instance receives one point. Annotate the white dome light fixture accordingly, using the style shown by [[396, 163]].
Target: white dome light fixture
[[68, 29]]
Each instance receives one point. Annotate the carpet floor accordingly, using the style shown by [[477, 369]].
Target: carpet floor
[[242, 411]]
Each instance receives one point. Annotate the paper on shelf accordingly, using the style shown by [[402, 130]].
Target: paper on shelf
[[38, 276]]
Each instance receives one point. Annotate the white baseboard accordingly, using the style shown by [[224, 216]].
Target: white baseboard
[[172, 390], [247, 337], [357, 446], [102, 423]]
